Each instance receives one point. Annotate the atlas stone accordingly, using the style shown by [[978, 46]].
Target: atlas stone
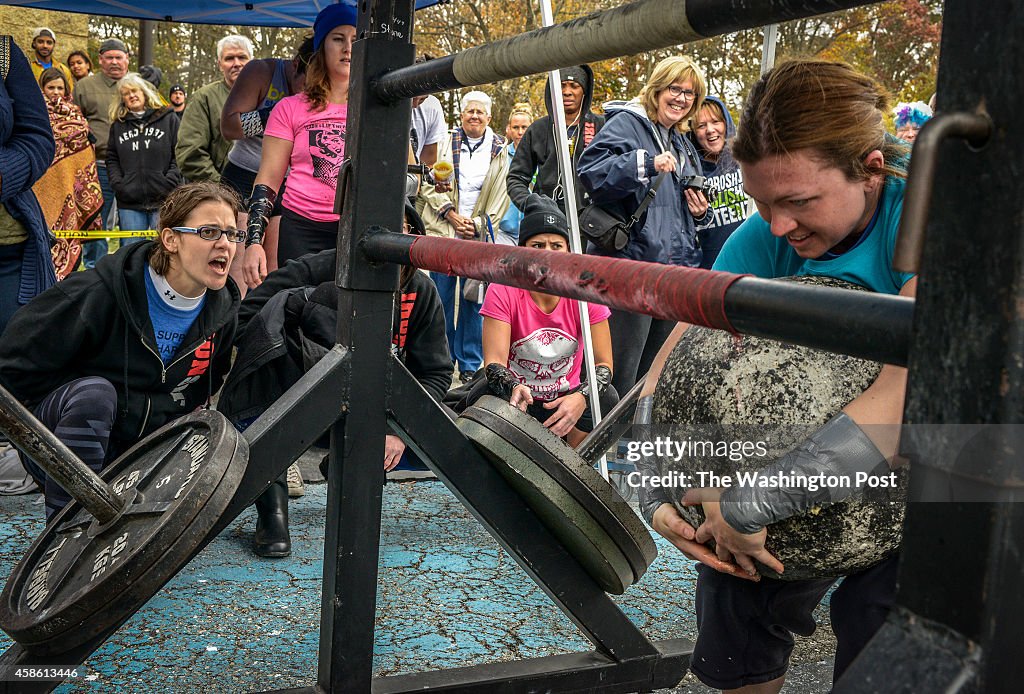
[[732, 404]]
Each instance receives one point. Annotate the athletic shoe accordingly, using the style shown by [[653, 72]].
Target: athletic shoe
[[295, 486]]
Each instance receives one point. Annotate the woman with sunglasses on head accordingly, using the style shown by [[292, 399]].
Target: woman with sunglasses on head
[[641, 140], [712, 131], [109, 355]]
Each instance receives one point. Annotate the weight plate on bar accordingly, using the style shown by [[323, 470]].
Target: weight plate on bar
[[81, 578], [575, 475], [570, 522]]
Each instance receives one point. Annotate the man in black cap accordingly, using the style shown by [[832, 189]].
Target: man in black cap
[[94, 94], [177, 98], [536, 152]]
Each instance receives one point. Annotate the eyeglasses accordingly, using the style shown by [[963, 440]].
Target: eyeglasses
[[208, 232], [677, 92]]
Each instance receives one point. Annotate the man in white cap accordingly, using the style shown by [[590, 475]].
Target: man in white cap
[[94, 94], [43, 43]]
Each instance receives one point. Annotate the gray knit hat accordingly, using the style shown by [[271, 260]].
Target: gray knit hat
[[113, 45]]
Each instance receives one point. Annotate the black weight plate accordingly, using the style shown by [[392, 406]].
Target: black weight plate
[[576, 476], [567, 520], [81, 577], [603, 501]]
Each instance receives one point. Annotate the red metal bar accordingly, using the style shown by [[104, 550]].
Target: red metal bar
[[663, 291]]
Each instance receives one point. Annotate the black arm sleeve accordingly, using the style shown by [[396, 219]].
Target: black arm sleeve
[[308, 271]]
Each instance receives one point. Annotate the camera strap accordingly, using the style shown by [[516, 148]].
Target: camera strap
[[634, 219]]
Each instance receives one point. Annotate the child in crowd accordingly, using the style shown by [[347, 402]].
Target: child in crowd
[[532, 341]]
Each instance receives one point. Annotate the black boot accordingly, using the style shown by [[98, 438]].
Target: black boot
[[272, 539]]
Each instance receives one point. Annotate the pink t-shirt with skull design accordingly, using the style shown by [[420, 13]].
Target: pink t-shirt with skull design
[[318, 148], [544, 347]]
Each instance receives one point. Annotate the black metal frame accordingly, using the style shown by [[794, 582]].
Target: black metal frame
[[956, 634]]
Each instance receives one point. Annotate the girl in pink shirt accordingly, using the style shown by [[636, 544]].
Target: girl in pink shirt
[[531, 340], [306, 133]]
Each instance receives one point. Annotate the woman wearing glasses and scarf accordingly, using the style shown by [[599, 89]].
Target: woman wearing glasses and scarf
[[109, 355], [641, 139]]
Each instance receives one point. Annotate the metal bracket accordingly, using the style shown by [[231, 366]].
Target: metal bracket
[[973, 127]]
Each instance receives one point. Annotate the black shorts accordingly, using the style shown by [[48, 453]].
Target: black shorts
[[745, 629], [300, 236], [242, 180]]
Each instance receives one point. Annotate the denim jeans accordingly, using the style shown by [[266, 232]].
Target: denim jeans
[[136, 220], [465, 338]]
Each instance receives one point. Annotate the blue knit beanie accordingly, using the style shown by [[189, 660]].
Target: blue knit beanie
[[330, 17]]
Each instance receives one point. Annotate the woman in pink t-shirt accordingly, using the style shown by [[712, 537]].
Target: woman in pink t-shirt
[[531, 340], [306, 133]]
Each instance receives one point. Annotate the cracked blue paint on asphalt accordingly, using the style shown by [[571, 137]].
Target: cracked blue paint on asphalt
[[448, 596]]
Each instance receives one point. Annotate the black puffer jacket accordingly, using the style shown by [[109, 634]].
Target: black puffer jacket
[[290, 321], [96, 323], [140, 159]]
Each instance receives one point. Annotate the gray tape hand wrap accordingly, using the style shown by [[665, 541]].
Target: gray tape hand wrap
[[838, 448], [650, 496], [603, 376], [261, 206]]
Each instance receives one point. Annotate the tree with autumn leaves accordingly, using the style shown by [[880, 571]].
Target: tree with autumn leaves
[[897, 42]]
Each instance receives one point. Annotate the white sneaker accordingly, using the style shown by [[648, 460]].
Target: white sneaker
[[295, 486]]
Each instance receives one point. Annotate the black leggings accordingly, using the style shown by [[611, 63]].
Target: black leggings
[[636, 339], [81, 414]]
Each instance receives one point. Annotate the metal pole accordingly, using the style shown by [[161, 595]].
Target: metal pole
[[377, 145], [568, 174], [635, 27], [50, 453], [867, 325], [146, 30], [771, 35]]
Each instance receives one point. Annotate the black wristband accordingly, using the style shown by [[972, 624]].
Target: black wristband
[[261, 206]]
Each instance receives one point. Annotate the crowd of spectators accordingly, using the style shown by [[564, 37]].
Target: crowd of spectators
[[240, 179]]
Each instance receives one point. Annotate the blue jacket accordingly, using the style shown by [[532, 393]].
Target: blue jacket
[[26, 152], [617, 169]]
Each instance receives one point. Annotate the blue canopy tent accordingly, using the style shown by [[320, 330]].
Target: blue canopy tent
[[275, 13]]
